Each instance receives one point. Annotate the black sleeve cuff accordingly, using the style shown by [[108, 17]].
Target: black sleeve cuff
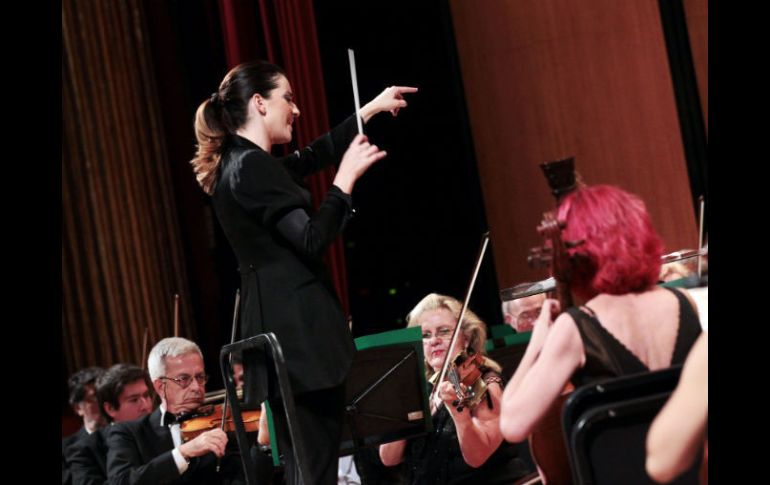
[[347, 198]]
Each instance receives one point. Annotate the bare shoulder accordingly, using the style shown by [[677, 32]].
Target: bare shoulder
[[698, 359], [563, 340], [687, 295], [564, 329]]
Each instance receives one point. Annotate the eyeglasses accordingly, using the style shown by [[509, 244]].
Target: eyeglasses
[[528, 316], [442, 333], [184, 380]]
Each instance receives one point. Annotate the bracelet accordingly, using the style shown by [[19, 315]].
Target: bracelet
[[491, 379]]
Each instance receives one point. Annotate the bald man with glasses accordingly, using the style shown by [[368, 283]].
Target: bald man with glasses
[[151, 449]]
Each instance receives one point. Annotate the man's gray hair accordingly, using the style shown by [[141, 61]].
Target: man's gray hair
[[168, 347]]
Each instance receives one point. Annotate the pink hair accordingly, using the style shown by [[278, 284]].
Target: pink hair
[[620, 252]]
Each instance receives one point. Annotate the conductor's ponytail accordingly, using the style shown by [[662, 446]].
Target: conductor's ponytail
[[210, 133]]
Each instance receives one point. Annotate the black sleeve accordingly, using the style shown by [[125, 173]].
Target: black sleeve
[[311, 235], [124, 463], [66, 474], [67, 445], [263, 188], [266, 191], [325, 150]]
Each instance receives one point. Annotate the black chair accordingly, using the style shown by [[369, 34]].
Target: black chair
[[612, 390], [606, 425], [299, 449]]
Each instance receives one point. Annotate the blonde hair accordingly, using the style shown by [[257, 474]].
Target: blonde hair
[[473, 328], [210, 135]]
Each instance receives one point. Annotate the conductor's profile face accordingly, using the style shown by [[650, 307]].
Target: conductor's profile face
[[437, 328], [280, 112], [183, 386]]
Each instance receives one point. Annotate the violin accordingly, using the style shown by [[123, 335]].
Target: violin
[[209, 417], [466, 377]]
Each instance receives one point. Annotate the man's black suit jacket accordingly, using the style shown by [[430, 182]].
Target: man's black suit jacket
[[66, 443], [263, 207], [140, 453], [87, 459]]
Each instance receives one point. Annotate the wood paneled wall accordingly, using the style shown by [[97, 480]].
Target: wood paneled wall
[[549, 79], [121, 255], [697, 16]]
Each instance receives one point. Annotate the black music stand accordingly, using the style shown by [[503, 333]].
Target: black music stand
[[386, 396], [298, 448], [508, 351]]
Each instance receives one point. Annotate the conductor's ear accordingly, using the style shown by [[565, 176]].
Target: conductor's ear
[[259, 103]]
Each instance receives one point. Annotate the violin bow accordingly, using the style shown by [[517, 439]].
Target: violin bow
[[700, 235], [176, 314], [144, 347], [232, 340], [447, 359]]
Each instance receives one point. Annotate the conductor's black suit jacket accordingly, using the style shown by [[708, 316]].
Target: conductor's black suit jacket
[[266, 213]]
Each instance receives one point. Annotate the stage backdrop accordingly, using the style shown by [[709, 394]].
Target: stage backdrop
[[555, 78]]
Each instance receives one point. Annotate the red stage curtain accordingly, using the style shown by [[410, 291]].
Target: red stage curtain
[[284, 33]]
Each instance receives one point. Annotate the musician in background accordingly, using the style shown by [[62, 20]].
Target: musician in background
[[237, 364], [679, 432], [266, 213], [521, 313], [466, 446], [685, 268], [675, 271], [124, 393], [151, 449], [82, 398], [626, 323]]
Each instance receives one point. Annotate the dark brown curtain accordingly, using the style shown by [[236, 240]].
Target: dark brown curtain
[[121, 255], [288, 38]]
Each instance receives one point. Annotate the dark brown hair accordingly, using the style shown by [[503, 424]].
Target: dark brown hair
[[226, 111]]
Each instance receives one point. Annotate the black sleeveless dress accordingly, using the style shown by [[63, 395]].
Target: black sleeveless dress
[[607, 357], [437, 458]]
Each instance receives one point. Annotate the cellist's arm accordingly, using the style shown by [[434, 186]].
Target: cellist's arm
[[540, 331], [541, 383]]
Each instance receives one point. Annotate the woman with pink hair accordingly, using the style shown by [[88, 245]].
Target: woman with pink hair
[[624, 323]]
